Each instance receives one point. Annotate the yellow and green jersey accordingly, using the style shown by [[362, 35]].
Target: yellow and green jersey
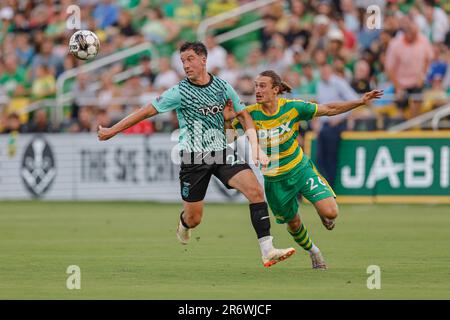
[[278, 133]]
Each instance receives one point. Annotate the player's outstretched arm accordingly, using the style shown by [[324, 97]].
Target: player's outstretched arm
[[129, 121], [334, 108]]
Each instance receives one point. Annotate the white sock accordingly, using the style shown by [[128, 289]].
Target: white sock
[[314, 249], [265, 243]]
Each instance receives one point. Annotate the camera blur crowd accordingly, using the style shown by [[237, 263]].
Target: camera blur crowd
[[326, 50]]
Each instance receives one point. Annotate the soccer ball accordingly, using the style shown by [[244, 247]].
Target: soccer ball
[[84, 44]]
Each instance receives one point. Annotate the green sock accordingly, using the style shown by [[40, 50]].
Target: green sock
[[301, 236]]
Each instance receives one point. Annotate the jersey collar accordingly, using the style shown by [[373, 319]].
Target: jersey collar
[[211, 79]]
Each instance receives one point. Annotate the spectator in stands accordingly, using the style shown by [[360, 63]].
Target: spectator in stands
[[24, 51], [270, 28], [350, 15], [44, 85], [57, 24], [124, 23], [13, 77], [83, 94], [435, 96], [296, 33], [102, 118], [309, 80], [349, 38], [84, 121], [335, 45], [293, 79], [275, 59], [320, 30], [40, 123], [215, 7], [300, 12], [166, 77], [320, 57], [188, 16], [148, 74], [48, 58], [132, 88], [254, 63], [106, 13], [231, 71], [13, 124], [331, 88], [437, 22], [246, 89], [144, 127], [217, 55], [407, 60], [158, 29], [439, 64], [361, 82]]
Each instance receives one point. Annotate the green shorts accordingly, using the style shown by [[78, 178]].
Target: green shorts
[[282, 194]]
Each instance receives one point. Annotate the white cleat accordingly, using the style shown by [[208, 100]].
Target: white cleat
[[277, 255], [183, 233], [318, 262]]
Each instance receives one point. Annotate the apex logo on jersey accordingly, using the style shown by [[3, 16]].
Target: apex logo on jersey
[[211, 110], [274, 132]]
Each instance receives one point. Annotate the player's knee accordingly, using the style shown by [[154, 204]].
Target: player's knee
[[330, 212], [255, 194]]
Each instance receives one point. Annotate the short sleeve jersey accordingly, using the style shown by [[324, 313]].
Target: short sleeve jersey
[[199, 110], [278, 133]]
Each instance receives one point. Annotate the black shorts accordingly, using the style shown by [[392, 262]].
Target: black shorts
[[197, 168], [403, 102]]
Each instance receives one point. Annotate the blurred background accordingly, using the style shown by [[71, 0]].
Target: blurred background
[[326, 50]]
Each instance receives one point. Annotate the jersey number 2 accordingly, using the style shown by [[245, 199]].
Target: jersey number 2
[[313, 186]]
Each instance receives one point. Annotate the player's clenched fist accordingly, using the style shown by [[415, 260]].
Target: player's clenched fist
[[104, 133], [228, 111]]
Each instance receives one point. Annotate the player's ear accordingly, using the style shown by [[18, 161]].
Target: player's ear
[[276, 89]]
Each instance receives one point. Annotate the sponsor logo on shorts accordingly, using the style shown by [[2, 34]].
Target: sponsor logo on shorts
[[185, 190]]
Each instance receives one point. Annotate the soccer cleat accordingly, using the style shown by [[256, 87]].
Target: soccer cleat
[[183, 233], [318, 262], [328, 223], [277, 255]]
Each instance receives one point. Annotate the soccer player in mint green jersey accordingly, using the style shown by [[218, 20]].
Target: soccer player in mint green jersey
[[199, 101], [290, 171]]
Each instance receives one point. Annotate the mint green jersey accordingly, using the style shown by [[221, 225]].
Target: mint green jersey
[[199, 110]]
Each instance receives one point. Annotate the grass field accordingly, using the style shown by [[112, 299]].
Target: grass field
[[129, 251]]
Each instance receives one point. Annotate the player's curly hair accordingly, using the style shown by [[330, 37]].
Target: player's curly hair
[[276, 81]]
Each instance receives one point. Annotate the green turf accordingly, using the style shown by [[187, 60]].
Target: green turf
[[129, 251]]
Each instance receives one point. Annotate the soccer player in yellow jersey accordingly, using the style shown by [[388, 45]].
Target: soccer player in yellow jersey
[[290, 171]]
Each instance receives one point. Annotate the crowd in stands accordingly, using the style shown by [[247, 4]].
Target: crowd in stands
[[326, 50]]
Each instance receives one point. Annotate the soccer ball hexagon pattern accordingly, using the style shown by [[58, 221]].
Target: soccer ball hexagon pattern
[[84, 44]]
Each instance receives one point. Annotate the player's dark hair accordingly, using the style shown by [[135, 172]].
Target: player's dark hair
[[276, 81], [198, 47]]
